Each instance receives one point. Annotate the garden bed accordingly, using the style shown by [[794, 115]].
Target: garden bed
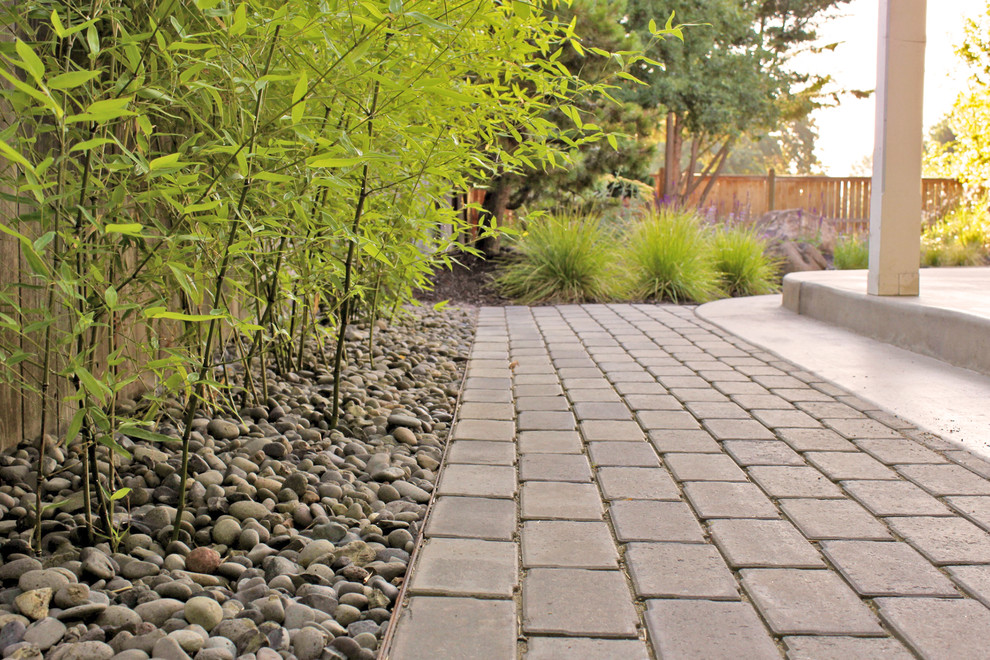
[[296, 538]]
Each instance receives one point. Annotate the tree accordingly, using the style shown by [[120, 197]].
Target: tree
[[604, 51], [958, 146], [729, 79], [788, 150]]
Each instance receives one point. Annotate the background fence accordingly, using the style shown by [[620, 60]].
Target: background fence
[[844, 201]]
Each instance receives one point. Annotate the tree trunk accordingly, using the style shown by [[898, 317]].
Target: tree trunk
[[719, 162], [668, 158], [495, 206]]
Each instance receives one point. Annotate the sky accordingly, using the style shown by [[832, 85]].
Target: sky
[[846, 132]]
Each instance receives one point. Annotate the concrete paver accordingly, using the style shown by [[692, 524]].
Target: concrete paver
[[683, 629], [479, 452], [844, 648], [895, 498], [639, 474], [762, 452], [622, 454], [646, 520], [466, 567], [557, 500], [843, 465], [944, 540], [658, 571], [437, 628], [554, 467], [729, 500], [886, 568], [554, 648], [763, 544], [834, 519], [633, 483], [803, 602], [939, 627], [565, 543], [576, 602]]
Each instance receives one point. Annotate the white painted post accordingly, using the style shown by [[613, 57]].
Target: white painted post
[[895, 203]]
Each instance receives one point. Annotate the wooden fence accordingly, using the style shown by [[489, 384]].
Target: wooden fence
[[843, 201]]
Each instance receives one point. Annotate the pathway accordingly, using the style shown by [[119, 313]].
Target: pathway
[[630, 482]]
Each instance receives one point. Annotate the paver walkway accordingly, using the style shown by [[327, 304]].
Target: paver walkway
[[627, 481]]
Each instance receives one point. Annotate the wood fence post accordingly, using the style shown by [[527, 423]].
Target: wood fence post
[[771, 190]]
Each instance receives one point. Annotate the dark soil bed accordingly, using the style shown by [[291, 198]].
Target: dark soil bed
[[469, 282]]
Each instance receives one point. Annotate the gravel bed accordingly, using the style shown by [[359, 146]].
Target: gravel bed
[[296, 538]]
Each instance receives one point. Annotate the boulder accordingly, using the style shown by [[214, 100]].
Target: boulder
[[797, 225], [797, 257]]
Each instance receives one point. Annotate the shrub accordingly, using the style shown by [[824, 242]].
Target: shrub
[[961, 238], [562, 258], [742, 263], [851, 253], [669, 257]]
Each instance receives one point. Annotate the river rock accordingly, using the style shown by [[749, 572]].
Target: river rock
[[203, 611], [34, 603], [203, 560], [82, 651], [222, 429]]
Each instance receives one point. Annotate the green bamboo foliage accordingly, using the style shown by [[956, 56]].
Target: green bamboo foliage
[[193, 185]]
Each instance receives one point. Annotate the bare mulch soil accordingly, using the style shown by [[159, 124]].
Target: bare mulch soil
[[469, 282]]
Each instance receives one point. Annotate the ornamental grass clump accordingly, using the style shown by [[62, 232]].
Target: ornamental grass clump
[[851, 253], [669, 256], [562, 258], [742, 263]]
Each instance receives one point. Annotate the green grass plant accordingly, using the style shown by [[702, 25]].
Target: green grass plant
[[851, 253], [669, 257], [741, 260], [563, 257]]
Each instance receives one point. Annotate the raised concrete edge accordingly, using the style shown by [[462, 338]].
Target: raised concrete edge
[[935, 396], [949, 335]]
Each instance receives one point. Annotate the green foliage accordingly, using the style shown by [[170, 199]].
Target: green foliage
[[742, 264], [958, 147], [730, 78], [562, 258], [961, 238], [189, 178], [669, 257], [851, 253]]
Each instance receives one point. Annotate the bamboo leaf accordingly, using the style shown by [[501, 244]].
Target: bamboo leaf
[[96, 389], [31, 62], [72, 79], [330, 161], [162, 313], [90, 144], [75, 426], [57, 25], [239, 26], [120, 494], [298, 98], [170, 161], [93, 41], [128, 228], [427, 20], [132, 430], [104, 111], [15, 156]]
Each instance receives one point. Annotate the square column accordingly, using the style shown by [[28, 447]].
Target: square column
[[895, 204]]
